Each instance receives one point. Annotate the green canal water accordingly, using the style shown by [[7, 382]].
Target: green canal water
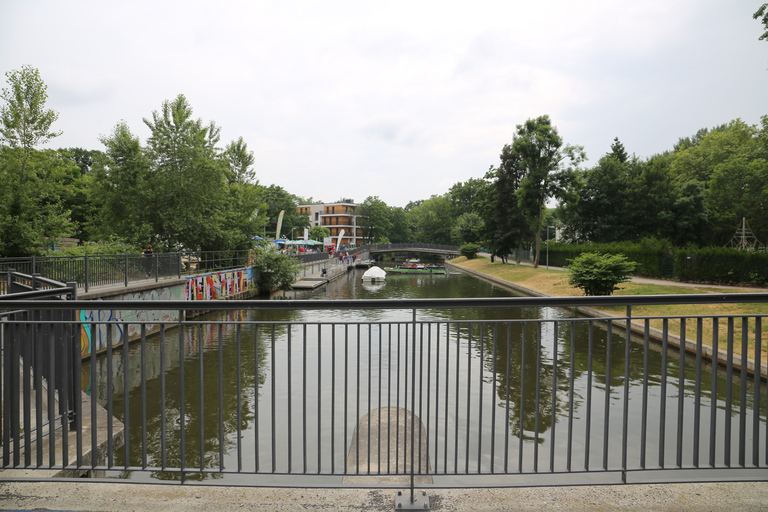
[[304, 384]]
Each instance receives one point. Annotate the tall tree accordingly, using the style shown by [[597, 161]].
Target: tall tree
[[618, 151], [191, 193], [278, 199], [374, 219], [24, 120], [542, 155]]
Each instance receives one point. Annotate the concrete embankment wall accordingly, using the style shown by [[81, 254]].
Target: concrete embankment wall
[[225, 285], [637, 328]]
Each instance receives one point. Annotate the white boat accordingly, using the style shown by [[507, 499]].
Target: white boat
[[374, 275]]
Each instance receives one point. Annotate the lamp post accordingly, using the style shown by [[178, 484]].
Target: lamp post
[[553, 227]]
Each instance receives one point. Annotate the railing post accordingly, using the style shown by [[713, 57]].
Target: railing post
[[86, 273], [178, 260], [126, 269]]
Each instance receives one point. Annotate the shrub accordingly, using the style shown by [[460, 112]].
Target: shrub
[[469, 250], [600, 274]]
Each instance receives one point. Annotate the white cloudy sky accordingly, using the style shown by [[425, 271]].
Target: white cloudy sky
[[395, 99]]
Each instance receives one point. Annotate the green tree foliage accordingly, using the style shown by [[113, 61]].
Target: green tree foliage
[[375, 219], [277, 271], [75, 197], [468, 197], [432, 220], [318, 233], [506, 224], [277, 200], [469, 228], [469, 250], [618, 152], [762, 15], [402, 229], [543, 156], [24, 120], [32, 182], [599, 274]]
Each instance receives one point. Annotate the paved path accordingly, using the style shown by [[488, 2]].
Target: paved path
[[90, 496]]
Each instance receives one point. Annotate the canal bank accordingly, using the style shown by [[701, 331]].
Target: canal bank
[[690, 346]]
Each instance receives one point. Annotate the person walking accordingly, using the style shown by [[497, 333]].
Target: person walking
[[148, 256]]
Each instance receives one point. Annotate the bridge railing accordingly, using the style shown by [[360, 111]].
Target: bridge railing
[[40, 351], [264, 398]]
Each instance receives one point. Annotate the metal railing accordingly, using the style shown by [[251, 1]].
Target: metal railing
[[268, 396], [40, 351]]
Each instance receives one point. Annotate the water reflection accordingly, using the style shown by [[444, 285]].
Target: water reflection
[[291, 393]]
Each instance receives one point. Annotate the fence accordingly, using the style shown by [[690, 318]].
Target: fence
[[40, 351], [264, 397]]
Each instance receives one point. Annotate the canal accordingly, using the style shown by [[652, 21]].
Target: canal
[[544, 395]]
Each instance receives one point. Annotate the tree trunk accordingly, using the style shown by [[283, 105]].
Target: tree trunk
[[538, 235]]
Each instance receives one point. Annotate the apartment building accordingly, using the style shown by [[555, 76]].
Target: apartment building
[[336, 217]]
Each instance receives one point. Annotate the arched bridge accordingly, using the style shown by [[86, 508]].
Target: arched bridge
[[448, 251]]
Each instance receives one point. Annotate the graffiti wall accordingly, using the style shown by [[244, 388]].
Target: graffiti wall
[[95, 323], [217, 285]]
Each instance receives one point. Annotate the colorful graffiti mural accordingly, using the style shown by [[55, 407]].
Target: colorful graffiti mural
[[96, 323], [217, 285]]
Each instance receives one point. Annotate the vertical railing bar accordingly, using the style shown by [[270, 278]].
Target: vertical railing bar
[[319, 396], [143, 396], [370, 390], [378, 400], [437, 397], [663, 393], [397, 431], [644, 420], [469, 397], [697, 392], [221, 393], [588, 427], [537, 414], [357, 401], [126, 397], [429, 390], [69, 364], [94, 399], [256, 401], [681, 395], [239, 384], [201, 393], [493, 397], [556, 326], [508, 358], [273, 371], [625, 416], [713, 394], [456, 414], [182, 408], [729, 394], [480, 398], [389, 397], [38, 362], [51, 409], [304, 399], [289, 356], [346, 387], [110, 392], [521, 435], [757, 383], [743, 398], [607, 412], [572, 377], [413, 403], [333, 399]]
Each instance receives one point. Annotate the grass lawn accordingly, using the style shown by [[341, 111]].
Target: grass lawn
[[555, 283]]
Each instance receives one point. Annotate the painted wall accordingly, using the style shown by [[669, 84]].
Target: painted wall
[[212, 286]]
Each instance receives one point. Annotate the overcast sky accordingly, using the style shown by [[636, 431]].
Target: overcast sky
[[399, 100]]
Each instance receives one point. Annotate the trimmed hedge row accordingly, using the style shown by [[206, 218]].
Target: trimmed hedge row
[[659, 259]]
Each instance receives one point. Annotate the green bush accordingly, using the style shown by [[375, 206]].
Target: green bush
[[469, 250], [600, 274]]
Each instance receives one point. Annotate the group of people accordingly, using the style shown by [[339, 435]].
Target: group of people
[[346, 259]]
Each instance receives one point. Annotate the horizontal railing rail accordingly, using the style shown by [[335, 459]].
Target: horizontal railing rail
[[497, 395]]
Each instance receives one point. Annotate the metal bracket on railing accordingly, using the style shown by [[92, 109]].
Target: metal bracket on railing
[[420, 501]]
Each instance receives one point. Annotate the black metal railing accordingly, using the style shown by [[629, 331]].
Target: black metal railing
[[267, 397], [40, 354]]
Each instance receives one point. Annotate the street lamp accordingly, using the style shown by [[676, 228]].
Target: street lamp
[[553, 227]]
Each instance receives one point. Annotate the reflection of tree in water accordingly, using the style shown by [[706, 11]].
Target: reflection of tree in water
[[201, 348], [517, 381]]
